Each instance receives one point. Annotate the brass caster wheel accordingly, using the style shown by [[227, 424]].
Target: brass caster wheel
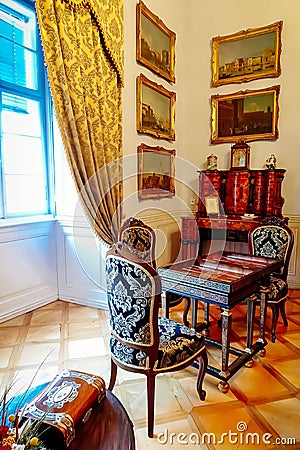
[[262, 352], [249, 363], [223, 386]]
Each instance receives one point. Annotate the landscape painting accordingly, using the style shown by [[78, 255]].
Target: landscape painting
[[155, 172], [155, 43], [248, 115], [155, 109], [247, 55]]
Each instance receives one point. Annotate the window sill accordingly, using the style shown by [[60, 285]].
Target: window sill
[[17, 221]]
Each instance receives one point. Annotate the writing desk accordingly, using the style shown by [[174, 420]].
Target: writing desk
[[224, 279], [232, 228]]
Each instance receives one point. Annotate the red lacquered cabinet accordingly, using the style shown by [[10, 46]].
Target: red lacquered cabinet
[[242, 192], [239, 192], [210, 184]]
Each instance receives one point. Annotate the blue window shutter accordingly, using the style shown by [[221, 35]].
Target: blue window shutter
[[12, 60]]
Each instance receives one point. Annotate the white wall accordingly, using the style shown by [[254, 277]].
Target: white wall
[[80, 254], [195, 23], [28, 277], [80, 262]]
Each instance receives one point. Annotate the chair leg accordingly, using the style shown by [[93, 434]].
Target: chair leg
[[275, 314], [203, 361], [150, 402], [282, 312], [187, 304], [113, 375]]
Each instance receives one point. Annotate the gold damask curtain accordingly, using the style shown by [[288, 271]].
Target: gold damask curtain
[[83, 47]]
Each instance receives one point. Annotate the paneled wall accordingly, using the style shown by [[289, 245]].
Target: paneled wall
[[80, 263], [294, 269], [28, 276]]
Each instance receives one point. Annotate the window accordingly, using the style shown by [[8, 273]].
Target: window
[[24, 114]]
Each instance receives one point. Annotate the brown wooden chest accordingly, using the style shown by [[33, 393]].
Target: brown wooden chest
[[64, 404]]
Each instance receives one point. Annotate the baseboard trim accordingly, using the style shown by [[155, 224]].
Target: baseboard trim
[[100, 304], [15, 312]]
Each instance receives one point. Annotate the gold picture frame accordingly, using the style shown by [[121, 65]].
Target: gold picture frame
[[155, 109], [155, 43], [156, 171], [249, 115], [247, 55]]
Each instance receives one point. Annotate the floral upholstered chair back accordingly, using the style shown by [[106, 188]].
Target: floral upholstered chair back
[[141, 341], [140, 239], [273, 240], [133, 293]]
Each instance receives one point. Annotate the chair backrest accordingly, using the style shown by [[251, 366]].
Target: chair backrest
[[140, 239], [133, 293], [273, 239]]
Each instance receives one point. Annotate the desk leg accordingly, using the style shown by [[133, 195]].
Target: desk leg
[[206, 331], [206, 313], [250, 322], [226, 317], [226, 328], [263, 312]]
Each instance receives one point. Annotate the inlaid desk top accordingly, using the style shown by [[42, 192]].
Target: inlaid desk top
[[223, 279]]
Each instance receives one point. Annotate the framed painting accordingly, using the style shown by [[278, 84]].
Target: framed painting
[[155, 109], [247, 55], [156, 172], [155, 43], [249, 115]]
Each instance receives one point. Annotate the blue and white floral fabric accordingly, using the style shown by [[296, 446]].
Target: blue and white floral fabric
[[131, 295], [177, 343], [270, 242]]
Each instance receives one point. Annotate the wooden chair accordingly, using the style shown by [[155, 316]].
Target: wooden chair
[[141, 341], [140, 239], [274, 239]]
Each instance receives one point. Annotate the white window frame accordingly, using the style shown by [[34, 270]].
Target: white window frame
[[42, 95]]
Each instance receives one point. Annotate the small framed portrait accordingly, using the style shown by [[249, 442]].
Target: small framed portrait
[[240, 156], [212, 205]]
